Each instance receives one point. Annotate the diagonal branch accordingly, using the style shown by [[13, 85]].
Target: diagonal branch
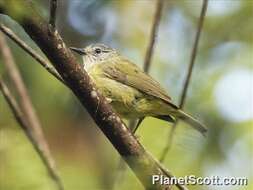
[[189, 74], [33, 123], [7, 31], [53, 10], [20, 117], [51, 43]]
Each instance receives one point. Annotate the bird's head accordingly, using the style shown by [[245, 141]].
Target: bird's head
[[95, 53]]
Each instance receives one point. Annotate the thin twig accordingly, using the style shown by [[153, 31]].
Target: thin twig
[[194, 53], [34, 126], [189, 74], [7, 31], [20, 117], [150, 48], [154, 31], [134, 124], [53, 10]]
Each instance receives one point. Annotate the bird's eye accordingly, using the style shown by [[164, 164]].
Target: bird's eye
[[98, 51]]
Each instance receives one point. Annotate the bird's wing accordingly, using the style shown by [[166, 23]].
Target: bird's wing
[[129, 74]]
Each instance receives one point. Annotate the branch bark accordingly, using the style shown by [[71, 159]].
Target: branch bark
[[51, 43], [34, 126], [188, 76], [53, 9]]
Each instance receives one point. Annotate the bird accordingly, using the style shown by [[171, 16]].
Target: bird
[[132, 93]]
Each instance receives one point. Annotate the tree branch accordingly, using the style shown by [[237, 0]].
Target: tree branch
[[53, 10], [20, 117], [141, 163], [150, 48], [154, 31], [194, 53], [7, 31], [34, 125], [188, 76]]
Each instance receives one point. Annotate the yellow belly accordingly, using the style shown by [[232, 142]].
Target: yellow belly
[[129, 102]]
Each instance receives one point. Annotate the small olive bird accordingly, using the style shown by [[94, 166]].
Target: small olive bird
[[131, 92]]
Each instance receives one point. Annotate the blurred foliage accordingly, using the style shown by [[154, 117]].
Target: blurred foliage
[[85, 158]]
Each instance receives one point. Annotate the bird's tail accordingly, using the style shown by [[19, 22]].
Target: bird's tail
[[179, 114]]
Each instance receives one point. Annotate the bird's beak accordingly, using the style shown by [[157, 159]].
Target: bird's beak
[[78, 50]]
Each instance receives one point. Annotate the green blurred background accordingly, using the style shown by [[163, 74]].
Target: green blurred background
[[220, 94]]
